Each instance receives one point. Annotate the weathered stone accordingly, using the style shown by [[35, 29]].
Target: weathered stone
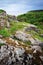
[[31, 27], [37, 48], [1, 36], [41, 35], [11, 18], [2, 41], [19, 54], [22, 36]]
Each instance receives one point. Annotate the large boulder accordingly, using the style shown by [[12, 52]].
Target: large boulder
[[19, 51], [4, 20], [37, 48], [11, 55], [22, 36], [41, 44], [31, 27]]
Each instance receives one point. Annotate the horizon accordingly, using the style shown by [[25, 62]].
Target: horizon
[[18, 7]]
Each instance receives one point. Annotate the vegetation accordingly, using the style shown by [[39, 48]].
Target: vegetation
[[17, 26], [33, 17], [35, 35], [4, 32], [1, 11], [2, 44]]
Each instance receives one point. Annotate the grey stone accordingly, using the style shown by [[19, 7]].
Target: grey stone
[[22, 36]]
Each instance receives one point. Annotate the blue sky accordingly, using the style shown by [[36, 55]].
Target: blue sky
[[16, 7]]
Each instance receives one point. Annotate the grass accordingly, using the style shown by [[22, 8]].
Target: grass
[[35, 35], [27, 42], [34, 17], [15, 26], [4, 33], [2, 44]]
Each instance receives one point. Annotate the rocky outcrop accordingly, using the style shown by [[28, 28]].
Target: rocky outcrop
[[15, 55], [5, 19], [22, 36], [3, 13], [31, 27], [27, 37], [14, 50], [12, 18]]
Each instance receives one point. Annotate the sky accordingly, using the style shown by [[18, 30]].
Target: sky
[[17, 7]]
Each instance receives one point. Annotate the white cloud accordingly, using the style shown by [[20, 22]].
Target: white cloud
[[15, 8]]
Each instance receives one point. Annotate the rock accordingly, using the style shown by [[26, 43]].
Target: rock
[[3, 19], [22, 36], [36, 48], [1, 36], [12, 18], [8, 25], [4, 23], [41, 44], [36, 55], [41, 57], [41, 35], [11, 55], [38, 42], [31, 27], [35, 41], [2, 41], [19, 51], [3, 13], [26, 38]]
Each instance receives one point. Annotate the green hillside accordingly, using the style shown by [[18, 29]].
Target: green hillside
[[33, 17], [1, 11]]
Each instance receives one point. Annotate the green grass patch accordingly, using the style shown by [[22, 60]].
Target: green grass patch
[[4, 33], [2, 44], [27, 42], [15, 26]]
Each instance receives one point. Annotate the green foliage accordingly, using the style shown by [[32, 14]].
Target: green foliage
[[17, 26], [1, 11], [2, 44], [33, 17], [4, 32], [27, 42]]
